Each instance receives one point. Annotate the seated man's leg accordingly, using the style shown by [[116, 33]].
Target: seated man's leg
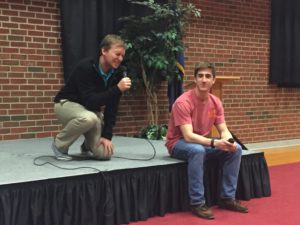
[[231, 166], [194, 154]]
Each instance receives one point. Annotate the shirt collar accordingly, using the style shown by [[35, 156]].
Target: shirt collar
[[105, 75]]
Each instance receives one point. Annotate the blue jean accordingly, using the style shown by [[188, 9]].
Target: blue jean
[[195, 155]]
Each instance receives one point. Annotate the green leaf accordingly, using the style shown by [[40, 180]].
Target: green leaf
[[154, 40]]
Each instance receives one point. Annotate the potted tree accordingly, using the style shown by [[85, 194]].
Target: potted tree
[[154, 42]]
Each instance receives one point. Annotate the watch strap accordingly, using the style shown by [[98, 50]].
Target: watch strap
[[212, 143]]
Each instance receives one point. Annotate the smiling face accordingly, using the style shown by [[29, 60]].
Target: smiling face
[[112, 52], [204, 80], [112, 57]]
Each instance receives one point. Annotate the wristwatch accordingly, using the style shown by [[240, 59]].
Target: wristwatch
[[212, 143]]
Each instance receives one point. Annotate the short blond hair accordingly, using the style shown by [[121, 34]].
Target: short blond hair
[[110, 40]]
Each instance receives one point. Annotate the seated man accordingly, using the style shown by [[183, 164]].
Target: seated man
[[192, 117]]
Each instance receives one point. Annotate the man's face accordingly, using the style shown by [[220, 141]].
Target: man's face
[[113, 56], [204, 80]]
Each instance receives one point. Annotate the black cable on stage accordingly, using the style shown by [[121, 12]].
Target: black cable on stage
[[60, 167], [139, 159], [109, 197]]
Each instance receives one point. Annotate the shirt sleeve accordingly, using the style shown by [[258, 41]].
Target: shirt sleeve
[[220, 118], [181, 114]]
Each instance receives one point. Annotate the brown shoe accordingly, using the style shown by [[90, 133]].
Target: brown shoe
[[233, 205], [202, 211]]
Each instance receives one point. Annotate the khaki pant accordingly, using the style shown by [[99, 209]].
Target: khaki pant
[[77, 120]]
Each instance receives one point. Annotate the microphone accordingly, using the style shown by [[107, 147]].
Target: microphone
[[231, 140], [124, 70]]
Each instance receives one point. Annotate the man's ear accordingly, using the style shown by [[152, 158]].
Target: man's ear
[[103, 51], [195, 79], [214, 80]]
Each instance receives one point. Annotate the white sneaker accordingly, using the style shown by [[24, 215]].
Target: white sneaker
[[60, 155]]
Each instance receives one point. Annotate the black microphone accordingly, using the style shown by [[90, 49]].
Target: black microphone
[[124, 70], [231, 140]]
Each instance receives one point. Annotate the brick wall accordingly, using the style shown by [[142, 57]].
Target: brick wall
[[235, 34], [232, 33], [30, 68]]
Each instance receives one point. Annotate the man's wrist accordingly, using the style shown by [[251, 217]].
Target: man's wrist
[[212, 143]]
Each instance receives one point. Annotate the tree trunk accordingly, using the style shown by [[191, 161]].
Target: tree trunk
[[151, 99]]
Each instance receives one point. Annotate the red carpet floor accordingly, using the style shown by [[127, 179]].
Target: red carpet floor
[[282, 208]]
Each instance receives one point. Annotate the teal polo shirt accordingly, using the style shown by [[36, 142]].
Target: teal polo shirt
[[105, 76]]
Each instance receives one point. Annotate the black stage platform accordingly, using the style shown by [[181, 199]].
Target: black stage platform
[[111, 192]]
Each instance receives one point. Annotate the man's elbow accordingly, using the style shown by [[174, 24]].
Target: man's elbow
[[187, 138]]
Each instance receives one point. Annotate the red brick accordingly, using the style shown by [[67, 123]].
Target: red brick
[[18, 130], [10, 137]]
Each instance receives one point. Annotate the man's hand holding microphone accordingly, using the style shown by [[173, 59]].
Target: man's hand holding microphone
[[125, 83]]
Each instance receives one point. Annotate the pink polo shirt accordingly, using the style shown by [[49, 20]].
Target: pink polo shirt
[[188, 109]]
